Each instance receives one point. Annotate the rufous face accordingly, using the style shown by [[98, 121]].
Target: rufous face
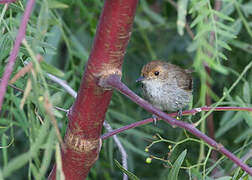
[[154, 70]]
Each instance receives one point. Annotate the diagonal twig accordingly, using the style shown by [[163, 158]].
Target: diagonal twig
[[115, 82], [6, 1], [11, 61]]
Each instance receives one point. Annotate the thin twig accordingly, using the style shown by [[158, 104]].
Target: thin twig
[[20, 36], [115, 82], [63, 84], [6, 1], [48, 108], [27, 68], [184, 113], [14, 87], [247, 156], [120, 147]]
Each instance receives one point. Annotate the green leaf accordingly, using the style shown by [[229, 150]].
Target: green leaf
[[213, 64], [227, 7], [224, 26], [181, 20], [243, 136], [51, 69], [133, 147], [20, 161], [236, 119], [57, 5], [224, 45], [246, 92], [47, 154], [143, 23], [129, 174], [248, 118], [224, 178], [152, 15], [236, 26], [203, 31], [200, 5], [226, 34], [222, 55], [222, 16], [247, 8], [242, 45], [176, 166], [199, 18]]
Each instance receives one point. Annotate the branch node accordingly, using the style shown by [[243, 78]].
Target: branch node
[[219, 146], [198, 110], [103, 77], [81, 144]]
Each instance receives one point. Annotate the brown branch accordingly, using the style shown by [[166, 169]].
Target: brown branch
[[115, 82], [24, 70], [184, 113]]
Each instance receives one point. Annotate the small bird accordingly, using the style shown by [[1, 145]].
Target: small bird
[[166, 86]]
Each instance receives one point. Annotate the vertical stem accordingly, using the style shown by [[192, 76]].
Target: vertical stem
[[87, 114]]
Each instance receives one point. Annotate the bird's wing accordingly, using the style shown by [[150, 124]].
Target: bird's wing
[[184, 79]]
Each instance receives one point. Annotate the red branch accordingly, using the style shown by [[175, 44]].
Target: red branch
[[187, 112], [115, 82], [6, 1], [87, 114], [14, 52]]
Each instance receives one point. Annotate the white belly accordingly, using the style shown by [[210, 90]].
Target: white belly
[[167, 97]]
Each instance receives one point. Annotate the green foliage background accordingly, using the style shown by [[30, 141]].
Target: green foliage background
[[63, 31]]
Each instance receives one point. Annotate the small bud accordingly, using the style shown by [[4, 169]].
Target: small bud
[[41, 98], [154, 137], [170, 147], [146, 150], [148, 160]]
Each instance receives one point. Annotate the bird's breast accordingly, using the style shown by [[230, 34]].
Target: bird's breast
[[166, 96]]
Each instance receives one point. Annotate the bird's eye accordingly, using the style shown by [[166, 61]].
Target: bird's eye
[[156, 73]]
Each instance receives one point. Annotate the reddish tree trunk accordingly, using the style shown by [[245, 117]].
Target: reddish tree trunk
[[87, 113]]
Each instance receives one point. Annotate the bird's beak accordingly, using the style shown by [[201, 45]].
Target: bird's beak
[[140, 79]]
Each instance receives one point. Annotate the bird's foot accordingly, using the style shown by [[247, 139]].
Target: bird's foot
[[179, 114], [155, 118]]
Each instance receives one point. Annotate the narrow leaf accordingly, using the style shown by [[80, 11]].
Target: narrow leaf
[[181, 21], [246, 92], [224, 26], [222, 55], [222, 16], [57, 5], [129, 174], [152, 15], [237, 118], [226, 34], [224, 45], [51, 69], [176, 166]]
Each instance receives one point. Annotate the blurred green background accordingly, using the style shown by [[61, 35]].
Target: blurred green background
[[63, 32]]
